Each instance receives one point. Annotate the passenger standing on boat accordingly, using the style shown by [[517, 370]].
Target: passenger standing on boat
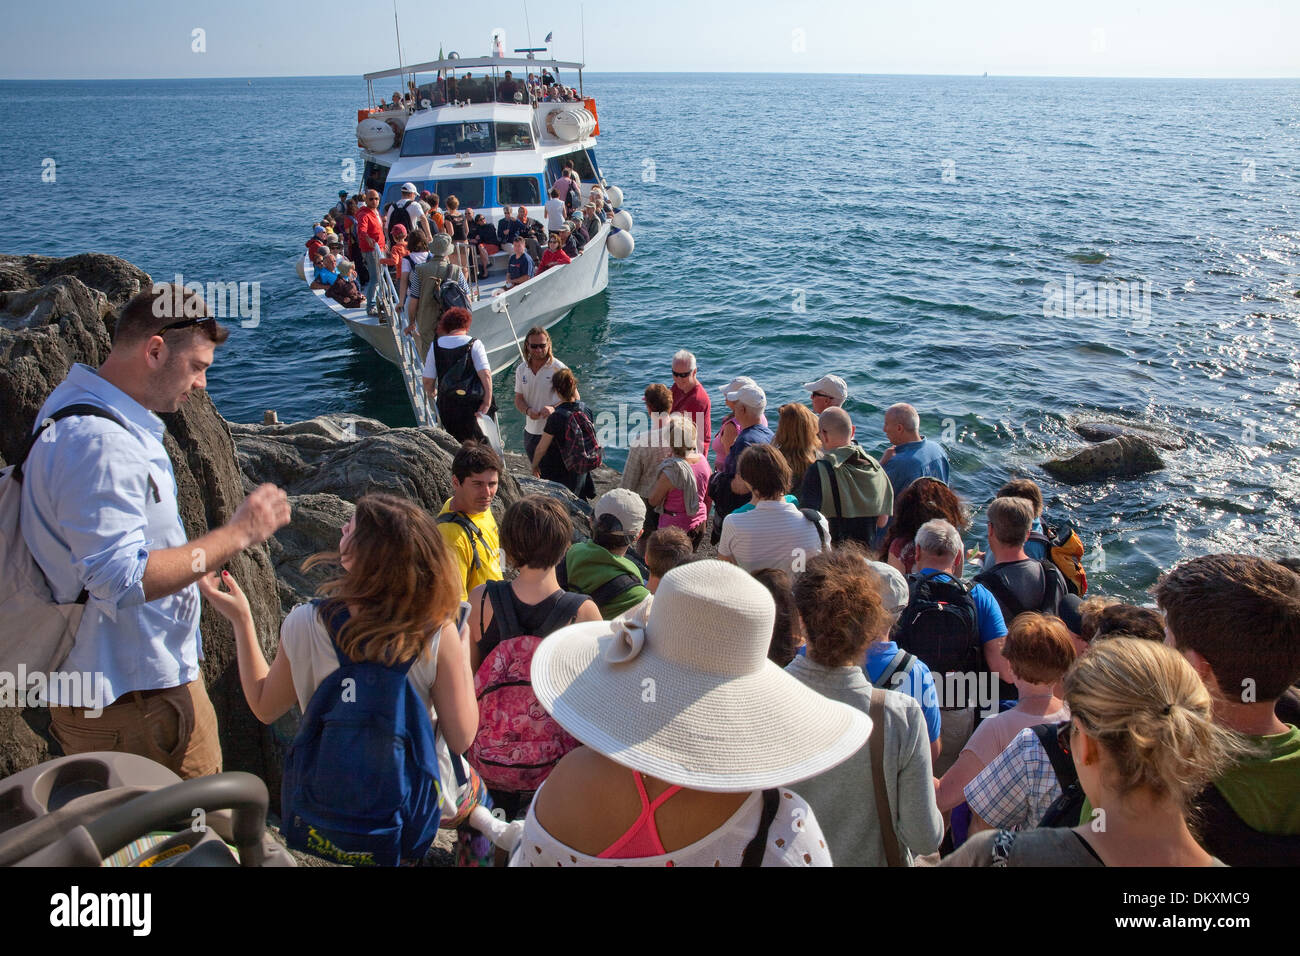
[[99, 513], [564, 183], [554, 255], [691, 398], [397, 248], [340, 208], [422, 317], [370, 236], [456, 225], [458, 376], [507, 89], [429, 201], [554, 210], [520, 267], [590, 221], [416, 256], [578, 234], [407, 212], [535, 397]]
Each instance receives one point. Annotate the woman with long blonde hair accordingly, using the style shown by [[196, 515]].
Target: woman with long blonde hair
[[1144, 742], [796, 439]]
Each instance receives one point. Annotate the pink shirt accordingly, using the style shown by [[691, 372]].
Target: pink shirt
[[675, 500]]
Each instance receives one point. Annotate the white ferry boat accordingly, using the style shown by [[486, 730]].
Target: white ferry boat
[[465, 129]]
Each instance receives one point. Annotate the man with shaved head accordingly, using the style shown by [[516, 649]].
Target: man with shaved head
[[847, 485], [912, 456]]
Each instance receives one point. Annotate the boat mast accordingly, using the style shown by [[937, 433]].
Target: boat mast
[[398, 28]]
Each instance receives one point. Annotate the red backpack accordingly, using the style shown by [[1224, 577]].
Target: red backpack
[[518, 743]]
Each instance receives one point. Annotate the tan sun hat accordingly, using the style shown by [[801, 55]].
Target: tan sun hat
[[681, 688]]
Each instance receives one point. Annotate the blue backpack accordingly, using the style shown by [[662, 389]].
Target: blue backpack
[[361, 783]]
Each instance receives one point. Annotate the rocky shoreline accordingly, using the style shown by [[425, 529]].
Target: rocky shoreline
[[56, 312]]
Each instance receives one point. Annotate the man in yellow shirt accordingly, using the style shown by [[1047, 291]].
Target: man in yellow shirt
[[466, 521]]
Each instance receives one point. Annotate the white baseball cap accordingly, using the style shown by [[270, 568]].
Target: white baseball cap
[[831, 385], [408, 187], [751, 396], [740, 381]]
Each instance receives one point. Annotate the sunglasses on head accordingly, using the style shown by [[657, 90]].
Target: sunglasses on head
[[187, 323]]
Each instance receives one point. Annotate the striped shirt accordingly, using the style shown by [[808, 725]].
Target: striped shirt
[[775, 534]]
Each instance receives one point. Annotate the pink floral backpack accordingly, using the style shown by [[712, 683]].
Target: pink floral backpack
[[518, 742]]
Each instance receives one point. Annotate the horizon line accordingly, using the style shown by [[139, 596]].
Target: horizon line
[[980, 75]]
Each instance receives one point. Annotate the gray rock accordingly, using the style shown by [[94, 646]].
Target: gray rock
[[1124, 457], [1104, 429]]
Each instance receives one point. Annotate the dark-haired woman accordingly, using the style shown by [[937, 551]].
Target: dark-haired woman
[[548, 462], [921, 501]]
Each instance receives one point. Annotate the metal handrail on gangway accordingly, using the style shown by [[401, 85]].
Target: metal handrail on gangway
[[426, 414]]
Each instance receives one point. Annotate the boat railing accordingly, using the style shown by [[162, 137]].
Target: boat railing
[[408, 351]]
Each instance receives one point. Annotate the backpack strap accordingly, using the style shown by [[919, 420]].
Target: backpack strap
[[1062, 765], [68, 411], [902, 663], [828, 481], [815, 516], [888, 838], [1003, 594], [756, 847], [471, 531], [565, 610], [503, 609], [615, 586]]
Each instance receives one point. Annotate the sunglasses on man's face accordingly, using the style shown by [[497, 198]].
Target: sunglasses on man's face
[[537, 348], [677, 374], [823, 395]]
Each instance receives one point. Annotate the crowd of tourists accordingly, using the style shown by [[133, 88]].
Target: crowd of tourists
[[845, 683]]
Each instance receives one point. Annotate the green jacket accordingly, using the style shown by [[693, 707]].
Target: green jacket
[[589, 566]]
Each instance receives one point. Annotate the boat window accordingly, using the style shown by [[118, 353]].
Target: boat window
[[373, 177], [463, 138], [468, 191], [518, 191], [418, 142], [555, 166], [514, 136]]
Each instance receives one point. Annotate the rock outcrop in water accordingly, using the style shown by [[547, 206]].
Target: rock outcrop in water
[[1104, 429], [1124, 457]]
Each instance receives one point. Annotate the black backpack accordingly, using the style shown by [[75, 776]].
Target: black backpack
[[1064, 810], [451, 294], [399, 215], [1011, 605], [940, 626], [458, 380], [1227, 836]]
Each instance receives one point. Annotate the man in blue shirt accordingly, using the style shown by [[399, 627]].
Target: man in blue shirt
[[750, 403], [519, 267], [911, 456], [99, 513], [938, 544]]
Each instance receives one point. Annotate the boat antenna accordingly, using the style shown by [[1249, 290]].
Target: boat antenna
[[582, 14], [527, 25], [398, 28]]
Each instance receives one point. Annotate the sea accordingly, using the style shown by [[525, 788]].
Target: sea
[[1006, 254]]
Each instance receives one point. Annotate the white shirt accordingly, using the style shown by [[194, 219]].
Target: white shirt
[[415, 212], [554, 214], [537, 391], [478, 353], [794, 839], [775, 534]]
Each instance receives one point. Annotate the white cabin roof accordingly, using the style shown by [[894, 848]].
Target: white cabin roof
[[473, 113], [476, 63]]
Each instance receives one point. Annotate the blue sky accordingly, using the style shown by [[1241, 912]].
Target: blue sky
[[56, 39]]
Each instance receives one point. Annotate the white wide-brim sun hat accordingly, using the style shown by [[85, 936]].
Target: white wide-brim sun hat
[[680, 688]]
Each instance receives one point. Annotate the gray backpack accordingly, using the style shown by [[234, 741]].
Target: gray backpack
[[36, 632]]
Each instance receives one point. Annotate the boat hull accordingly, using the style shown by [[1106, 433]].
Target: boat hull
[[541, 301]]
